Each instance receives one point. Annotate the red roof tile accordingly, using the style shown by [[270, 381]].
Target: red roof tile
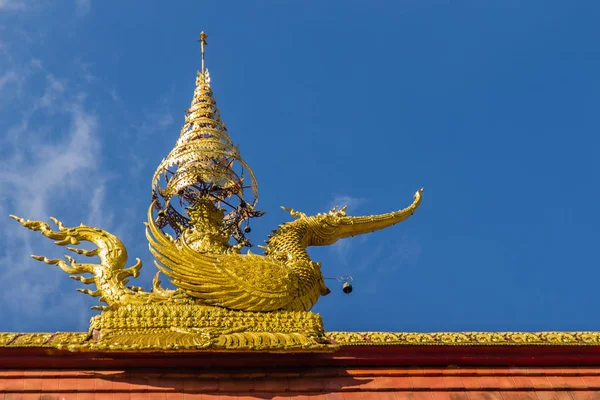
[[328, 384]]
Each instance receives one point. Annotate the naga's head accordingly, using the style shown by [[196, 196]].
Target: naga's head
[[326, 229]]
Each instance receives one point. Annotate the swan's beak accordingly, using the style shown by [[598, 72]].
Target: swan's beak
[[352, 226]]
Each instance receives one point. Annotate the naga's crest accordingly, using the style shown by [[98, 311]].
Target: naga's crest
[[197, 221]]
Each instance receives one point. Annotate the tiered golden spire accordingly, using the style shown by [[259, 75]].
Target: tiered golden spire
[[208, 167]]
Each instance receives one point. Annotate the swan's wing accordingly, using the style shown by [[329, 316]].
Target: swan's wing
[[240, 282]]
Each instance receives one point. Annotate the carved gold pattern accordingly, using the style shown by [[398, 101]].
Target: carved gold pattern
[[224, 299], [173, 326], [177, 339], [66, 340], [186, 327], [7, 338], [31, 339], [464, 338]]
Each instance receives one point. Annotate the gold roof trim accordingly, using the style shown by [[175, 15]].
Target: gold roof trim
[[70, 340], [464, 338]]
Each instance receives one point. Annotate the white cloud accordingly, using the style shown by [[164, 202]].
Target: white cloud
[[8, 78], [85, 70], [98, 214], [54, 89], [82, 7], [49, 163], [404, 254], [115, 95], [12, 5], [32, 177], [157, 119], [11, 83], [154, 121], [351, 202]]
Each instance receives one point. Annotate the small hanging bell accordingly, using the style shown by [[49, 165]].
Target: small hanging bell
[[347, 287]]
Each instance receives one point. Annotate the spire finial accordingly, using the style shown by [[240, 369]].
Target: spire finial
[[202, 41]]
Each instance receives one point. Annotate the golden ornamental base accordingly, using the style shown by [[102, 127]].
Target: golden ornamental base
[[196, 327]]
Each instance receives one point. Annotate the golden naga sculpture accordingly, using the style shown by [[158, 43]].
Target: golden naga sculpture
[[224, 298]]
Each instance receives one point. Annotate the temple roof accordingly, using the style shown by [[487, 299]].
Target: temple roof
[[49, 350], [242, 303], [366, 366]]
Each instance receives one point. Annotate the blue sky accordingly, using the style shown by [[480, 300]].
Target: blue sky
[[491, 106]]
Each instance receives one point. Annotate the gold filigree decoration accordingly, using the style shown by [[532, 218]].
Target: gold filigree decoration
[[186, 327], [177, 339], [31, 339], [6, 338], [464, 338], [197, 340], [64, 340], [224, 299], [173, 326]]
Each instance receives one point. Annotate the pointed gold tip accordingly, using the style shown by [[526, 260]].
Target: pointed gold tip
[[203, 42], [18, 219], [203, 37]]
